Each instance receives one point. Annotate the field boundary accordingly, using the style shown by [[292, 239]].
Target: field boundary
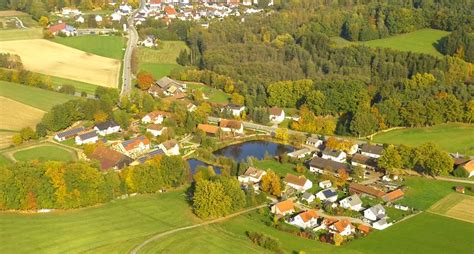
[[445, 205], [10, 152]]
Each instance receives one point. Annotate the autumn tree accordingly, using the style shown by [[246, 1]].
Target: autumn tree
[[43, 21], [144, 80], [390, 161], [237, 99], [210, 200], [100, 117], [271, 183], [282, 134]]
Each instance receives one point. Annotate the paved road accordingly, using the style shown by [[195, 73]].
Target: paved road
[[272, 129], [156, 237], [127, 59]]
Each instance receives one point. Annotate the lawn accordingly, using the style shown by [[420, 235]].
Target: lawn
[[113, 227], [420, 41], [4, 161], [80, 86], [35, 97], [420, 234], [275, 166], [214, 95], [45, 153], [108, 46], [452, 137], [422, 193], [160, 62], [21, 34], [159, 70]]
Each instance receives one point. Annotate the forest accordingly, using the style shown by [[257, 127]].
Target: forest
[[287, 59]]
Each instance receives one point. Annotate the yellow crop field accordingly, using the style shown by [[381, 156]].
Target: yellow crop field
[[16, 115], [54, 59], [457, 206]]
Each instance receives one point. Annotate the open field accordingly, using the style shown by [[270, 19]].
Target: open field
[[35, 97], [4, 161], [452, 137], [420, 234], [16, 115], [6, 138], [10, 13], [456, 206], [107, 46], [113, 227], [20, 34], [80, 86], [421, 193], [45, 153], [160, 62], [421, 41], [159, 70], [214, 95], [58, 60]]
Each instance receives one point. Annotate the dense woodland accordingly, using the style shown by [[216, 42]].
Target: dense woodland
[[287, 59]]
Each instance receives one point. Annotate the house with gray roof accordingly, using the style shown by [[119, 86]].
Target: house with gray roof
[[89, 137], [352, 202], [61, 136], [375, 213]]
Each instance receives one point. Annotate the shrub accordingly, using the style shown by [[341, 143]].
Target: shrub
[[264, 241], [460, 172]]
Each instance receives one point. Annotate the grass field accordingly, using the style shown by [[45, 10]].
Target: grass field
[[420, 234], [107, 46], [80, 86], [32, 96], [110, 228], [452, 137], [421, 41], [54, 59], [45, 153], [456, 206], [4, 161], [159, 70], [16, 115], [21, 34], [160, 62], [214, 95], [422, 193]]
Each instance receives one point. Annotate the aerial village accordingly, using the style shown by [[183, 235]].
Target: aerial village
[[326, 197]]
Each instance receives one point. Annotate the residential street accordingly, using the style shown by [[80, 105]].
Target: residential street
[[127, 75]]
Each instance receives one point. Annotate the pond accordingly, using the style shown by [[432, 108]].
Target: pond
[[194, 163], [257, 149]]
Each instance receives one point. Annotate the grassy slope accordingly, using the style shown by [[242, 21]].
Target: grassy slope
[[4, 161], [160, 61], [80, 86], [21, 34], [214, 95], [421, 193], [452, 137], [115, 226], [44, 153], [35, 97], [108, 46], [421, 41]]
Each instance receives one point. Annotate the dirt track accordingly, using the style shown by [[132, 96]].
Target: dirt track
[[54, 59]]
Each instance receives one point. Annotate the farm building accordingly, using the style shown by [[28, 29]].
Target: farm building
[[373, 151], [89, 137], [365, 190], [110, 159], [107, 127], [61, 136]]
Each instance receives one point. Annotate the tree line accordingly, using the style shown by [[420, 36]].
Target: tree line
[[63, 185]]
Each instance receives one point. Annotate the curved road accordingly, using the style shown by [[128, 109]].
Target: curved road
[[127, 59], [156, 237]]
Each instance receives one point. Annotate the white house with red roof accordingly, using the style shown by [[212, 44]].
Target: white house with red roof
[[306, 219], [155, 117], [62, 28], [135, 146]]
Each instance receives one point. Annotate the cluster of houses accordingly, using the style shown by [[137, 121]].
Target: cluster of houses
[[300, 195], [119, 154], [168, 10], [74, 15]]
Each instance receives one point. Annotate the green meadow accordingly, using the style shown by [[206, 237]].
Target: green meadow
[[35, 97], [452, 137], [420, 41], [107, 46]]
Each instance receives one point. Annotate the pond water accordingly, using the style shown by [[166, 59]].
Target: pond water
[[257, 149], [193, 164]]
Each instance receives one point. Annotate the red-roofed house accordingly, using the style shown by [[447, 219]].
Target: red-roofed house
[[62, 28], [155, 4], [109, 158], [135, 146], [170, 12], [307, 219], [342, 227], [283, 208]]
